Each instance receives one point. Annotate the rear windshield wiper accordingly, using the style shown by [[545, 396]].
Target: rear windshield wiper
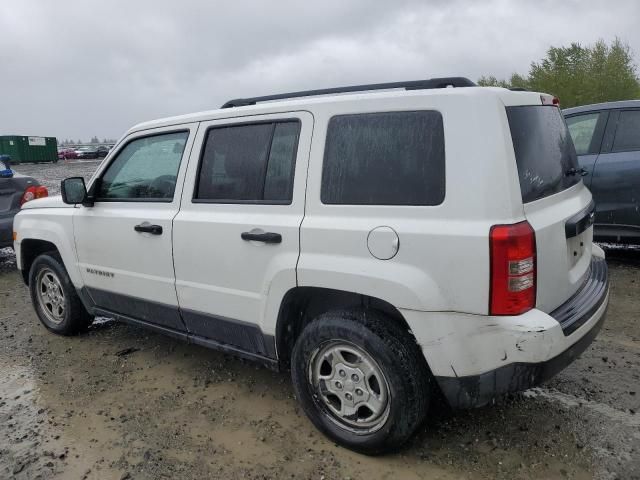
[[576, 171]]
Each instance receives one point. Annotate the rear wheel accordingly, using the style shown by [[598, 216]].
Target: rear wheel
[[54, 297], [361, 379]]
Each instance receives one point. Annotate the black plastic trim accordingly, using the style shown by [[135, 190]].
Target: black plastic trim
[[267, 237], [86, 299], [145, 310], [233, 336], [247, 337], [579, 222], [479, 390], [586, 301], [431, 83], [194, 339]]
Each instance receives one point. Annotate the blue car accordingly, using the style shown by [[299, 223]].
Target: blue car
[[607, 141]]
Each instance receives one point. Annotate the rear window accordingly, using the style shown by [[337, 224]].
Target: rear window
[[544, 151], [391, 158]]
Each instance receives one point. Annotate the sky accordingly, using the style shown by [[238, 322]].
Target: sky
[[79, 68]]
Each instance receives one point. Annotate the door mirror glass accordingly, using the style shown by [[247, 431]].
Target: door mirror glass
[[73, 190]]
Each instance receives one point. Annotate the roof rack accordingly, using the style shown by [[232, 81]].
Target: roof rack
[[443, 82]]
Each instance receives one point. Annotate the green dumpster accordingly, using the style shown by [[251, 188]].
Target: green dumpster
[[23, 149]]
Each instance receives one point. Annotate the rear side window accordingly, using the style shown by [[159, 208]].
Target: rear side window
[[544, 151], [627, 132], [249, 163], [393, 158]]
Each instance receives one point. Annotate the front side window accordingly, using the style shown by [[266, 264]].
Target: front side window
[[249, 163], [145, 169], [628, 132], [582, 128], [391, 158]]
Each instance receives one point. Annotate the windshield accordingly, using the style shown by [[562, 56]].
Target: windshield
[[545, 155]]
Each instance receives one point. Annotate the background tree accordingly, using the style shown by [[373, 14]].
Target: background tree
[[580, 75]]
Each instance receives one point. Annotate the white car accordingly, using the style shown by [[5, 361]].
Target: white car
[[385, 242]]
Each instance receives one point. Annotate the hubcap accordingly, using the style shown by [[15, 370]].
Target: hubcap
[[349, 386], [50, 295]]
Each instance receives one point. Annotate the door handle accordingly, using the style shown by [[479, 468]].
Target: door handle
[[266, 237], [148, 228]]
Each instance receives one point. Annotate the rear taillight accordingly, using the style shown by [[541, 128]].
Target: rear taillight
[[31, 193], [513, 269]]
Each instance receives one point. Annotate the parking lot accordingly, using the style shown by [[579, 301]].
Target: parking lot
[[120, 402]]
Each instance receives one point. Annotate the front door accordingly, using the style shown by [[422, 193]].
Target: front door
[[236, 238], [587, 130], [124, 240]]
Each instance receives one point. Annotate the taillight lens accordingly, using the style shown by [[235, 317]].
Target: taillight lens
[[33, 192], [513, 269]]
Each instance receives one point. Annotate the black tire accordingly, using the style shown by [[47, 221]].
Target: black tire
[[398, 357], [74, 317]]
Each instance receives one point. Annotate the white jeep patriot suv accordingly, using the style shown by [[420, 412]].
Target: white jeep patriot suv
[[385, 242]]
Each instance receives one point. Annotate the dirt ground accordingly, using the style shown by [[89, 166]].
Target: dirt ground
[[123, 403]]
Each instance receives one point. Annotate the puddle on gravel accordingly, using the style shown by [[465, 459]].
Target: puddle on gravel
[[36, 443]]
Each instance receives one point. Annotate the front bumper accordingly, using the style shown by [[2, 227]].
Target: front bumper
[[475, 359]]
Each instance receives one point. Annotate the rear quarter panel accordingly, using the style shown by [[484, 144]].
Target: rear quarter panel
[[443, 258]]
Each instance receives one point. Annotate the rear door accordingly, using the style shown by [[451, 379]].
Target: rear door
[[236, 239], [616, 177], [556, 202]]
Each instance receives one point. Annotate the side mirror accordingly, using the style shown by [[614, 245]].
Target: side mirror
[[73, 190]]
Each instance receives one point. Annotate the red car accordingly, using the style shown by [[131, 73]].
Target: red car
[[66, 153]]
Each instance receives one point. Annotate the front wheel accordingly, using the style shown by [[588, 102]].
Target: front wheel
[[54, 297], [361, 379]]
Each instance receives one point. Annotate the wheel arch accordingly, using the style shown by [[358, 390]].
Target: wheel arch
[[30, 249], [300, 305]]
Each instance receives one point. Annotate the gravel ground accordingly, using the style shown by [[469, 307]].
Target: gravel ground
[[124, 403]]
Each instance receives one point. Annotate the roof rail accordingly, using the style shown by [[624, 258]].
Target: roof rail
[[443, 82]]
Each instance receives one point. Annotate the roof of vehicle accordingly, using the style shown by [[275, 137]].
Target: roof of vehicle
[[602, 106], [508, 97]]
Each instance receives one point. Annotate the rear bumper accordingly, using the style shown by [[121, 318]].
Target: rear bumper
[[478, 390], [476, 359], [6, 231]]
